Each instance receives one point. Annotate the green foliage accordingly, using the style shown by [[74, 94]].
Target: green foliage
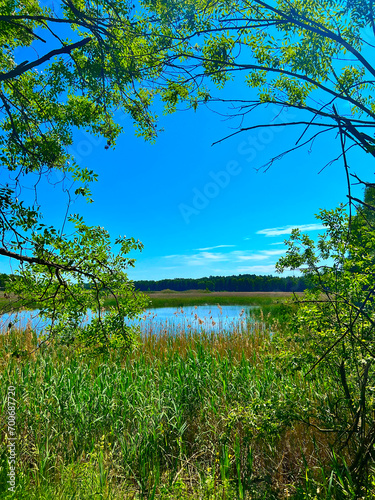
[[335, 324], [240, 283], [306, 55], [64, 298], [300, 37], [108, 57]]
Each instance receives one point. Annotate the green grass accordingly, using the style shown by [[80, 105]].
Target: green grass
[[183, 299], [188, 416], [171, 298], [10, 303]]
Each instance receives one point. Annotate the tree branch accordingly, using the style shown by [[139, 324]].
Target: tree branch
[[26, 66]]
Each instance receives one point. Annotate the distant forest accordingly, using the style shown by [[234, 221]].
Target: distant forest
[[240, 283], [3, 279]]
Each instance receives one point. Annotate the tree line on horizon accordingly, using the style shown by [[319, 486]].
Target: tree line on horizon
[[4, 278], [234, 283]]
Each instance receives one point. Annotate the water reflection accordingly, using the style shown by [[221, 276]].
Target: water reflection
[[172, 319]]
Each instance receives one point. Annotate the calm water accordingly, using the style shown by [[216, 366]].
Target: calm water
[[165, 318]]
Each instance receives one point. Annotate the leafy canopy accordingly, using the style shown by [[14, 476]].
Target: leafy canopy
[[312, 56]]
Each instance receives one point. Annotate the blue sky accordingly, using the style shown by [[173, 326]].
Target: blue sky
[[207, 210]]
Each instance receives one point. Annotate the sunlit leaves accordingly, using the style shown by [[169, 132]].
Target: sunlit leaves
[[335, 320], [340, 266], [217, 58], [311, 41]]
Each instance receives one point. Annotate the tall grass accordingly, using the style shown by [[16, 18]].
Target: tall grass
[[186, 415]]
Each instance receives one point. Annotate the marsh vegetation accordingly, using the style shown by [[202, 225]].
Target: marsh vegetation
[[229, 415]]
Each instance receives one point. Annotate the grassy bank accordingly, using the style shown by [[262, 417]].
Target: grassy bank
[[11, 303], [170, 298], [220, 416]]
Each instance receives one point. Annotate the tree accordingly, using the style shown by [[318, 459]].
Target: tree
[[335, 324], [366, 214], [307, 56], [61, 69]]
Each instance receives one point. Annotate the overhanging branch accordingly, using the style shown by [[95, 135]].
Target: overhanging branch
[[26, 66]]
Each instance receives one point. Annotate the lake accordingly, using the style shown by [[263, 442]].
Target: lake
[[191, 318]]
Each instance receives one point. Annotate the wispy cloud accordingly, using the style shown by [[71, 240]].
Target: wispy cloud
[[252, 257], [204, 258], [274, 252], [278, 243], [261, 255], [213, 248], [276, 231], [222, 260]]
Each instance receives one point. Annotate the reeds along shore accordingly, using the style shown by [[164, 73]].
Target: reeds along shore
[[184, 415]]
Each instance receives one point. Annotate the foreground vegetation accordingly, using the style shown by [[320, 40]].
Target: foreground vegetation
[[228, 415]]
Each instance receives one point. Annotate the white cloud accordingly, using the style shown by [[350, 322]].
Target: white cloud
[[213, 248], [261, 255], [274, 252], [197, 259], [252, 257], [276, 231], [204, 258], [278, 243]]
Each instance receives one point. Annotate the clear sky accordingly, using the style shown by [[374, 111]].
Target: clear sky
[[205, 210]]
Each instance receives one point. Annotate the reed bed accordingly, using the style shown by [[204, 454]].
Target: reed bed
[[186, 414]]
